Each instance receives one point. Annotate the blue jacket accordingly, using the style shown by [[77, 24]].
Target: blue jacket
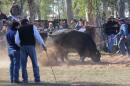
[[123, 30], [10, 36]]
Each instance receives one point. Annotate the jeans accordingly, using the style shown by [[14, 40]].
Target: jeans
[[111, 42], [26, 51], [15, 64], [124, 46]]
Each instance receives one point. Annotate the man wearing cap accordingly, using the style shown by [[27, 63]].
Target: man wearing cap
[[128, 36], [124, 39], [26, 38], [111, 28]]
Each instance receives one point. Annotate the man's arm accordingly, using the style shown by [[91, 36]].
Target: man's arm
[[17, 39], [38, 37]]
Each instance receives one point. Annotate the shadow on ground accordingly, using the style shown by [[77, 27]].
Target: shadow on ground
[[6, 83], [76, 62]]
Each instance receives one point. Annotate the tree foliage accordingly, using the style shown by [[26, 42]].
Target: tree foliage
[[81, 8]]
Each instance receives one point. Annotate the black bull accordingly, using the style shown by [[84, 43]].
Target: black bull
[[78, 41]]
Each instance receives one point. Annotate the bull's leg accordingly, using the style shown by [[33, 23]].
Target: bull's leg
[[82, 58], [66, 55], [62, 58]]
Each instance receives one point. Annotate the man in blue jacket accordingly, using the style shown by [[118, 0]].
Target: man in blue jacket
[[13, 52], [26, 38], [124, 34]]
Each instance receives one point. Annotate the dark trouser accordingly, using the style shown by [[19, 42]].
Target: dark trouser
[[124, 46], [111, 42], [26, 51], [15, 64]]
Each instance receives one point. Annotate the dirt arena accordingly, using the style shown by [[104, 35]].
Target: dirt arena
[[114, 70]]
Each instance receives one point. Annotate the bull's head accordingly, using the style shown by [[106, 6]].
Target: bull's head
[[96, 57]]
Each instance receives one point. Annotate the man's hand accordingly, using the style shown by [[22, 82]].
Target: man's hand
[[126, 37], [44, 48]]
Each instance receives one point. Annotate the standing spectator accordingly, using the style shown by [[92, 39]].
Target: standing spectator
[[51, 28], [82, 27], [26, 38], [15, 11], [79, 24], [73, 23], [111, 28], [64, 24], [61, 25], [123, 41], [128, 37], [13, 52]]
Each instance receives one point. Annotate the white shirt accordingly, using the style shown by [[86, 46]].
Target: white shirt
[[82, 29]]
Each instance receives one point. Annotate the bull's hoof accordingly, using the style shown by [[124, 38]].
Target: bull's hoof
[[97, 62], [82, 61]]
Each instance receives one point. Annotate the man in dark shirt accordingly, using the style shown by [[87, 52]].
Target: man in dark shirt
[[111, 28], [13, 52], [26, 37]]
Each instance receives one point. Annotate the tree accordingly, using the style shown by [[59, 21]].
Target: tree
[[45, 8], [105, 9], [79, 8], [129, 6], [69, 10], [32, 9], [121, 8], [38, 13], [90, 11]]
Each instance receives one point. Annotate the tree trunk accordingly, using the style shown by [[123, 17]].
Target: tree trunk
[[21, 4], [69, 10], [121, 8], [104, 2], [129, 6], [90, 12], [32, 10], [38, 13]]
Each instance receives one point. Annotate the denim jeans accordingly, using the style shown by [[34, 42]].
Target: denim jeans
[[124, 46], [15, 64], [26, 51], [111, 42]]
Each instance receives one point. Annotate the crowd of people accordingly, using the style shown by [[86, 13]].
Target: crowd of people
[[115, 31], [79, 25]]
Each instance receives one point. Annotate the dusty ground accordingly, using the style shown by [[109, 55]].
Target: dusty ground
[[114, 70]]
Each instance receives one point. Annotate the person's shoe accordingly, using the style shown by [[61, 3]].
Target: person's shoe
[[17, 81], [37, 81], [24, 81], [12, 81]]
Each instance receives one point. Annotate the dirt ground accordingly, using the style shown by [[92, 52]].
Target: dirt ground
[[114, 70]]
